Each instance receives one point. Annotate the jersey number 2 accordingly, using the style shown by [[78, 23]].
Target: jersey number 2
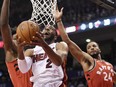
[[49, 64]]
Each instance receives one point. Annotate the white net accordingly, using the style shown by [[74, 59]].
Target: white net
[[42, 11]]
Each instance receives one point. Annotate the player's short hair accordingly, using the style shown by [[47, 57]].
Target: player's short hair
[[92, 41]]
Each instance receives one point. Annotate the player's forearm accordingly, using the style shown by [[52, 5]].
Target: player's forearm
[[5, 12], [5, 28], [62, 31], [20, 53], [74, 49], [25, 65], [56, 59]]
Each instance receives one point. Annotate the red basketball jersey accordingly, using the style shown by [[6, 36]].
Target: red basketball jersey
[[101, 75], [18, 79]]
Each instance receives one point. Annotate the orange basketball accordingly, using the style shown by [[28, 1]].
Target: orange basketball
[[26, 30]]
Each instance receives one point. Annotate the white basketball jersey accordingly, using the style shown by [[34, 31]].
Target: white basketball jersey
[[45, 73]]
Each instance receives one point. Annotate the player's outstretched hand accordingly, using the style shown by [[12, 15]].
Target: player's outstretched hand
[[57, 14], [20, 44]]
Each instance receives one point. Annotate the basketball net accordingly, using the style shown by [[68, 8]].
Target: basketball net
[[42, 11]]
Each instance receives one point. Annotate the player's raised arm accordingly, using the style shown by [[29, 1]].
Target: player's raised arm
[[5, 28], [74, 49], [24, 58], [6, 31]]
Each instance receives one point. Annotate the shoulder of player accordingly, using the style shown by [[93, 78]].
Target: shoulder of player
[[10, 57], [11, 49], [28, 52], [108, 63], [61, 44], [62, 48]]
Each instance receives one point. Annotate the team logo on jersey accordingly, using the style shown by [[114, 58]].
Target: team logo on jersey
[[39, 57], [106, 71]]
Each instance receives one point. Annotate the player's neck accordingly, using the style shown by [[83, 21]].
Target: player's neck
[[99, 57]]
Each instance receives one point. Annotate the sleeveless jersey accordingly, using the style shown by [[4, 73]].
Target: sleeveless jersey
[[45, 73], [101, 75], [18, 79]]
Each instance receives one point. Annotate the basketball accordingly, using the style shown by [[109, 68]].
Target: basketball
[[26, 30]]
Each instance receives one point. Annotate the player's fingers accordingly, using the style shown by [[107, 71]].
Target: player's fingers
[[38, 35], [19, 40], [62, 9], [41, 34], [23, 43]]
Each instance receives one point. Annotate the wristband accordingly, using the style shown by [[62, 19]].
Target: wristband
[[58, 21]]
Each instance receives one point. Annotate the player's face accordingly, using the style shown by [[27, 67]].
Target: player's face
[[93, 49], [49, 33]]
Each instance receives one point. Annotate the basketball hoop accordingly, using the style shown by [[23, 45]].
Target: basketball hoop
[[42, 11]]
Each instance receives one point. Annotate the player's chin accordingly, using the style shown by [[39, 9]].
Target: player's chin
[[95, 55]]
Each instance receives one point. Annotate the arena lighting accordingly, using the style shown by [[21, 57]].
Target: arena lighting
[[1, 44], [106, 22], [83, 26], [70, 29], [77, 27], [97, 23], [90, 25], [88, 40]]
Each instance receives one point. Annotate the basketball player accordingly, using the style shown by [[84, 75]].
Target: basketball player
[[18, 79], [98, 72], [46, 59]]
